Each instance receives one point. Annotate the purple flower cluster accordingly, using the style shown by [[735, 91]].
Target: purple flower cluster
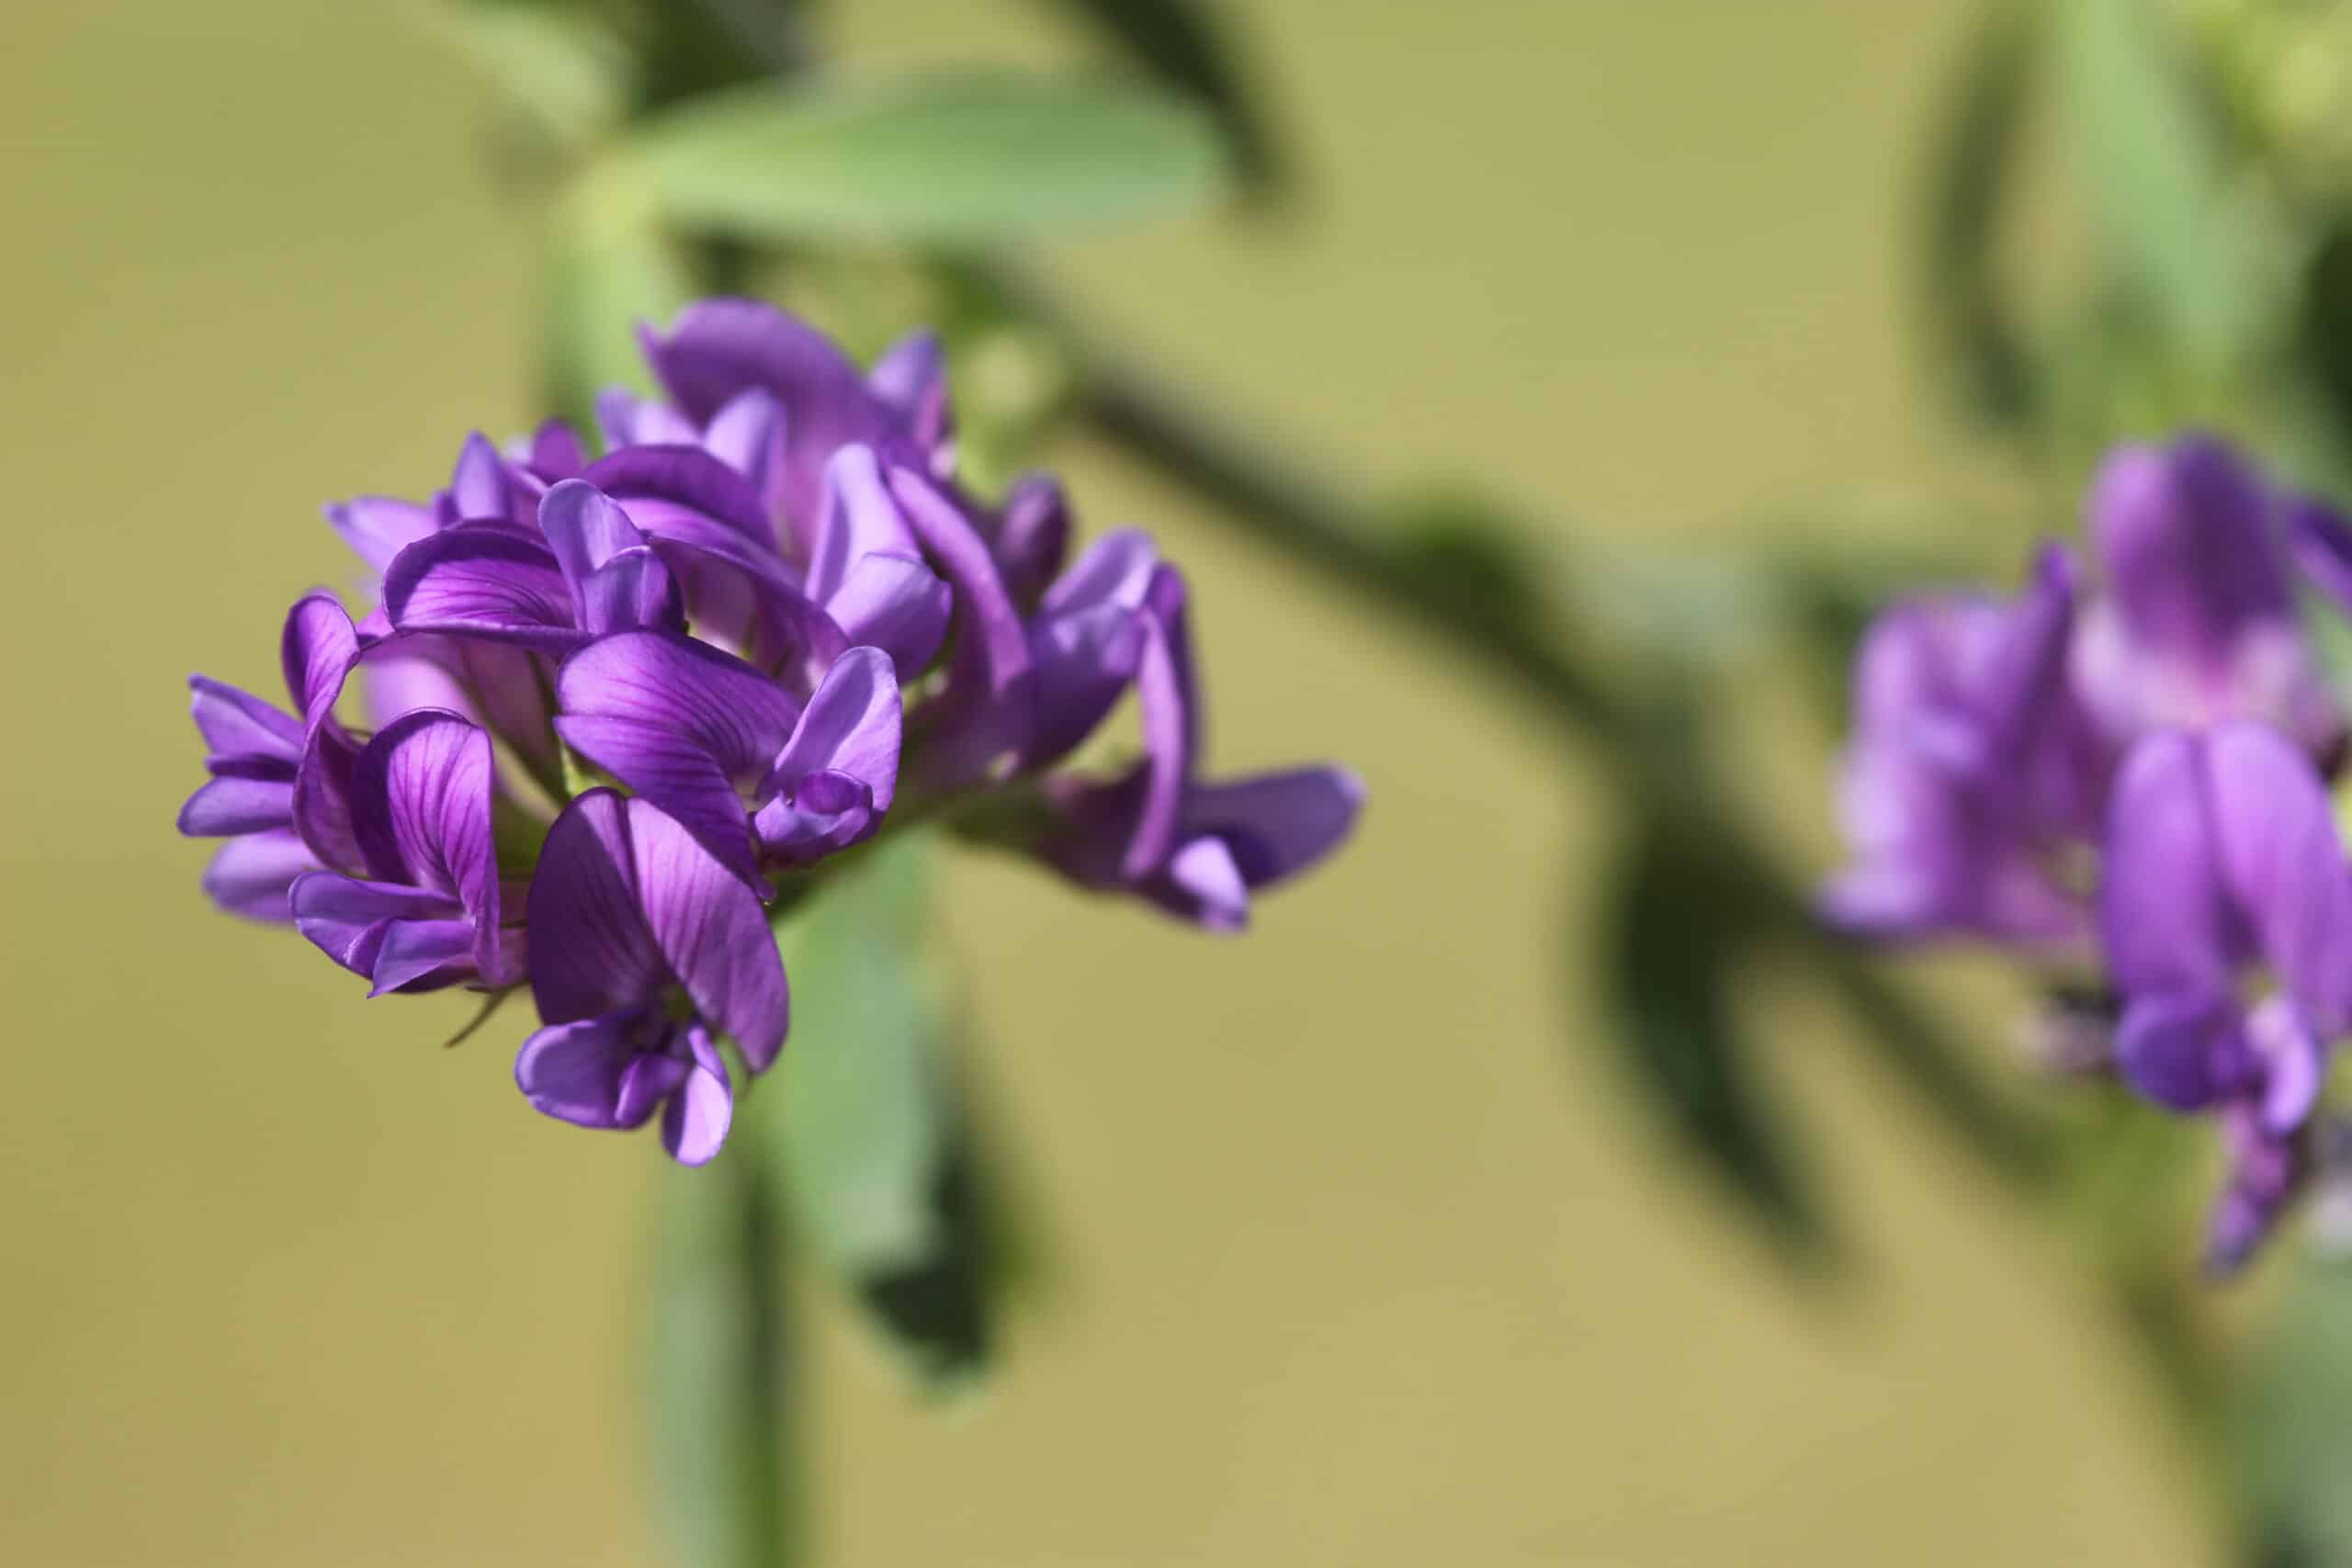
[[615, 705], [2132, 776]]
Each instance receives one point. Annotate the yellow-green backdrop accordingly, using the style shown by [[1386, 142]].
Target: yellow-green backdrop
[[1359, 1256]]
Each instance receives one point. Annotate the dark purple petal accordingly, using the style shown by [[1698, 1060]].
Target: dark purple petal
[[251, 874], [591, 952], [987, 708], [322, 804], [850, 725], [2178, 1047], [825, 811], [483, 581], [695, 1122], [713, 933], [739, 716], [1276, 825], [1164, 692], [1033, 537], [421, 812], [1084, 661], [2284, 864], [2186, 533], [378, 528], [2163, 908], [235, 723], [675, 772], [740, 594], [230, 805]]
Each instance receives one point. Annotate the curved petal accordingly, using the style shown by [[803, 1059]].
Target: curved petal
[[740, 592], [591, 950], [661, 485], [378, 528], [2284, 863], [235, 723], [421, 813], [483, 581], [896, 603], [987, 708], [746, 435], [2178, 1048], [695, 1121], [251, 874], [850, 725], [712, 931], [911, 380], [627, 420], [2293, 1061], [423, 955], [584, 528], [824, 812], [1114, 570], [2186, 533], [633, 590], [1033, 536], [1277, 825], [2163, 912], [1164, 692], [858, 517], [348, 919], [676, 773], [555, 452], [1202, 884], [231, 805], [1084, 660], [726, 708], [479, 486], [595, 1072], [316, 651]]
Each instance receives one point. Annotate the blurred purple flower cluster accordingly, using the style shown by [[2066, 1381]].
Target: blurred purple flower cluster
[[2128, 780], [615, 705]]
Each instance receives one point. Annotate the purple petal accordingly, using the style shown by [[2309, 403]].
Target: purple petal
[[423, 955], [897, 604], [675, 772], [228, 806], [251, 874], [378, 528], [1164, 692], [584, 528], [421, 812], [316, 651], [989, 705], [2163, 910], [556, 452], [235, 723], [1203, 884], [632, 591], [858, 517], [1033, 536], [911, 380], [478, 487], [667, 488], [717, 347], [2176, 1047], [348, 919], [595, 1072], [713, 933], [591, 952], [748, 437], [2284, 864], [850, 725], [695, 1122], [1277, 825], [824, 811], [627, 419], [2293, 1062], [417, 672], [483, 581], [686, 688]]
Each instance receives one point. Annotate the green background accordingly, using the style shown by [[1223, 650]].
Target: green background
[[1354, 1254]]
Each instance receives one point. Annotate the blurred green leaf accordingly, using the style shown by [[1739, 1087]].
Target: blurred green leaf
[[562, 64], [954, 161], [2326, 336], [2294, 1442], [868, 1124], [1186, 46], [2152, 167], [1673, 941], [609, 266], [1968, 192], [720, 1371], [1461, 547]]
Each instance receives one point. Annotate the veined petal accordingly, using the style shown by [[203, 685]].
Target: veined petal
[[2284, 863], [251, 874], [584, 528], [228, 806], [825, 811], [592, 951], [316, 651], [677, 773], [658, 485], [1277, 825], [632, 591], [378, 528], [2164, 915], [483, 581], [713, 933], [581, 1072], [850, 725], [989, 706], [421, 813], [728, 710], [347, 920]]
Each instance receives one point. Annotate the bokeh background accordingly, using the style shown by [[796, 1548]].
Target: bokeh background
[[1351, 1254]]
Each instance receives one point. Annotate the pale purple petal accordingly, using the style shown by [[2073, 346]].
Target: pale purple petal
[[695, 1122], [824, 811], [2284, 864], [1164, 692], [2163, 913], [584, 528], [2186, 533], [675, 772], [478, 487], [748, 437], [378, 527], [2293, 1062], [251, 874], [556, 452], [858, 517], [423, 956], [897, 604], [1203, 882], [348, 919], [627, 419], [664, 487], [850, 725], [910, 378], [235, 723], [632, 591], [231, 805]]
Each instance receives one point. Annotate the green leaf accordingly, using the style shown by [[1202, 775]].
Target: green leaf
[[2292, 1443], [1969, 188], [947, 160], [609, 266], [2190, 250], [719, 1369], [1672, 944], [866, 1119], [1182, 43]]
